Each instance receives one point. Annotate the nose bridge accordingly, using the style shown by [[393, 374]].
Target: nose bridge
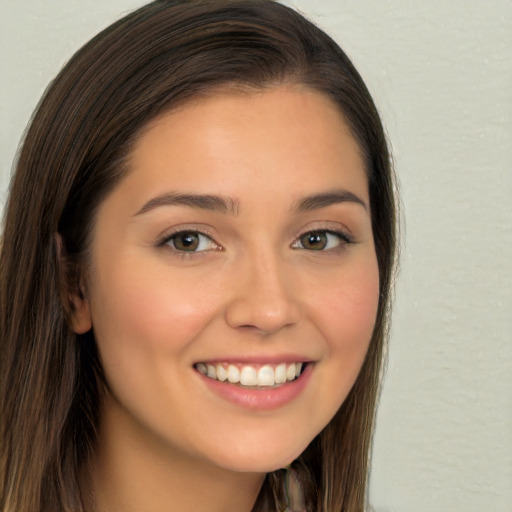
[[265, 298]]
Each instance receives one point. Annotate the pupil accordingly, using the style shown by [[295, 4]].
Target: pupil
[[315, 241], [187, 241]]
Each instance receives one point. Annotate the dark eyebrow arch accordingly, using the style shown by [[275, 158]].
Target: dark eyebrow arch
[[325, 199], [201, 201]]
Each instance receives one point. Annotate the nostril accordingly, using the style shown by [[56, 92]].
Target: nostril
[[260, 316]]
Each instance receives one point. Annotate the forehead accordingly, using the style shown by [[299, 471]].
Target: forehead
[[221, 125], [270, 146]]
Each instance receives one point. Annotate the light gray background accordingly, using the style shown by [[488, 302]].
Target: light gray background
[[441, 74]]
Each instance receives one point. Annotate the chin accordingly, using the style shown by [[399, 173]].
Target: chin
[[260, 460]]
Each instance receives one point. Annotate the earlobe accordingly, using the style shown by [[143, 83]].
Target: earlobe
[[72, 291], [80, 314]]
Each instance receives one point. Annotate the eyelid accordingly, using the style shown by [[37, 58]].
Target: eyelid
[[345, 237], [343, 233], [330, 226], [164, 239]]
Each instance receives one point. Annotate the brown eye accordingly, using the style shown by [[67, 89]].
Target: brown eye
[[190, 241], [186, 241], [314, 240], [322, 240]]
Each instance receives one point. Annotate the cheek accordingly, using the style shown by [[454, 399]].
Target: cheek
[[145, 322], [149, 310], [346, 314], [352, 302]]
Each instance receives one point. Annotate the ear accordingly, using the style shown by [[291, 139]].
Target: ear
[[72, 290], [80, 314]]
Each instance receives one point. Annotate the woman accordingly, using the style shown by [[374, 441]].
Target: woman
[[196, 268]]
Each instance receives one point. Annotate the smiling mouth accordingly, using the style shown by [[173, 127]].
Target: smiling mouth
[[250, 376]]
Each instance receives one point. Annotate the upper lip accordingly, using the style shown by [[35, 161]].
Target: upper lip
[[264, 359]]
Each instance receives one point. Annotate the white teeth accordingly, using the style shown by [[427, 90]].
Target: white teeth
[[212, 372], [290, 372], [248, 376], [233, 374], [222, 373], [280, 374], [266, 376]]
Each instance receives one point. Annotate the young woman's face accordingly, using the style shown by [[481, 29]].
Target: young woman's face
[[238, 245]]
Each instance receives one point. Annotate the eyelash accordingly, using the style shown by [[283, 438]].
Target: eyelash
[[343, 239], [167, 239], [165, 242]]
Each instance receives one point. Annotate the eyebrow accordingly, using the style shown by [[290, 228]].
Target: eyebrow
[[322, 200], [229, 205], [201, 201]]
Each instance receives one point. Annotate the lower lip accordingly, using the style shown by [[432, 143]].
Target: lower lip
[[265, 399]]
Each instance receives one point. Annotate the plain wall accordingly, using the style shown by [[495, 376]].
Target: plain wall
[[441, 74]]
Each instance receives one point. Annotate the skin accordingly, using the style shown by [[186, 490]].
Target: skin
[[253, 290]]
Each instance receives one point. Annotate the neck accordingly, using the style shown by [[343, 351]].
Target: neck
[[132, 470]]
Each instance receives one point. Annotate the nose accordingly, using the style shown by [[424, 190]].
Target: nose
[[265, 298]]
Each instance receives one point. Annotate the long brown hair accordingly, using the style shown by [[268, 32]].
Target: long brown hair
[[74, 152]]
